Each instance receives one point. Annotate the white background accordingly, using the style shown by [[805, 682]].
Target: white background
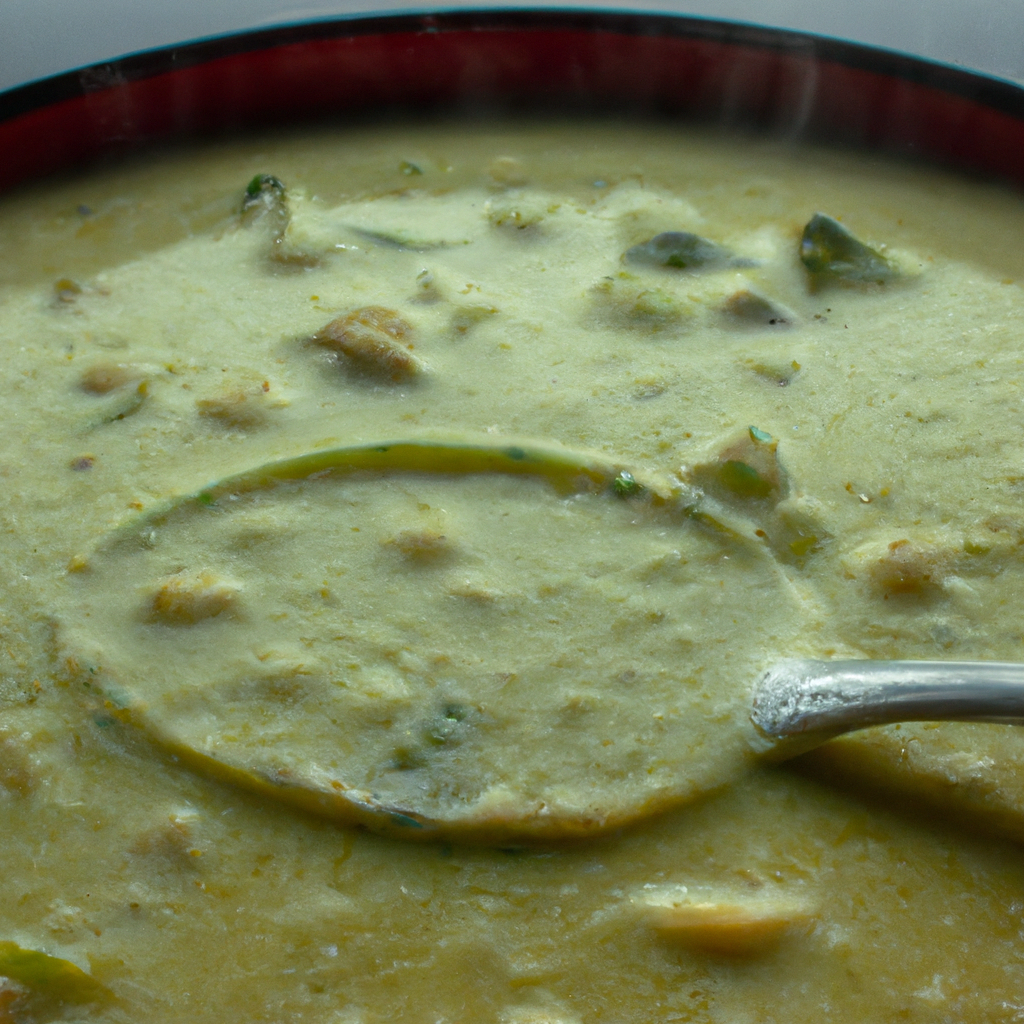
[[43, 37]]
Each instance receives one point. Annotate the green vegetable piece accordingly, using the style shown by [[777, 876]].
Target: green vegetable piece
[[49, 976], [684, 251], [743, 480], [759, 436], [625, 485], [408, 167], [264, 188], [829, 250]]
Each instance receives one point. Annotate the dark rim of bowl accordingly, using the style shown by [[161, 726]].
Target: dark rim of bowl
[[992, 92], [790, 84]]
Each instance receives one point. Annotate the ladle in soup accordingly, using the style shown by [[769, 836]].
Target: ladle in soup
[[490, 642]]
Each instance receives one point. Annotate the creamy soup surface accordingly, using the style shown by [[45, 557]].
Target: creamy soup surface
[[395, 522]]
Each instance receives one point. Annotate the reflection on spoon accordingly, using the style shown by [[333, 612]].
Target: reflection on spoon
[[799, 704]]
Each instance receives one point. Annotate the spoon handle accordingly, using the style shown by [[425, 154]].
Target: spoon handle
[[797, 697]]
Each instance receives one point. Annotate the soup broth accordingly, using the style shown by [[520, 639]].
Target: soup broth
[[454, 482]]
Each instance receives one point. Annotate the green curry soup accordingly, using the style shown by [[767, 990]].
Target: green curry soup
[[455, 483]]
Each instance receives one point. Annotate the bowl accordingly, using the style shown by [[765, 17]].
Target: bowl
[[738, 79]]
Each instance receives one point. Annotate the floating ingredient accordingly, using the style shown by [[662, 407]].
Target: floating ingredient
[[683, 250], [47, 980], [373, 340], [748, 309], [830, 251]]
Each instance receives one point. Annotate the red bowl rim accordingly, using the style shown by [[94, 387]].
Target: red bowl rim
[[794, 85]]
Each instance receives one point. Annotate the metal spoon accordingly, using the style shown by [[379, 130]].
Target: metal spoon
[[800, 704]]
